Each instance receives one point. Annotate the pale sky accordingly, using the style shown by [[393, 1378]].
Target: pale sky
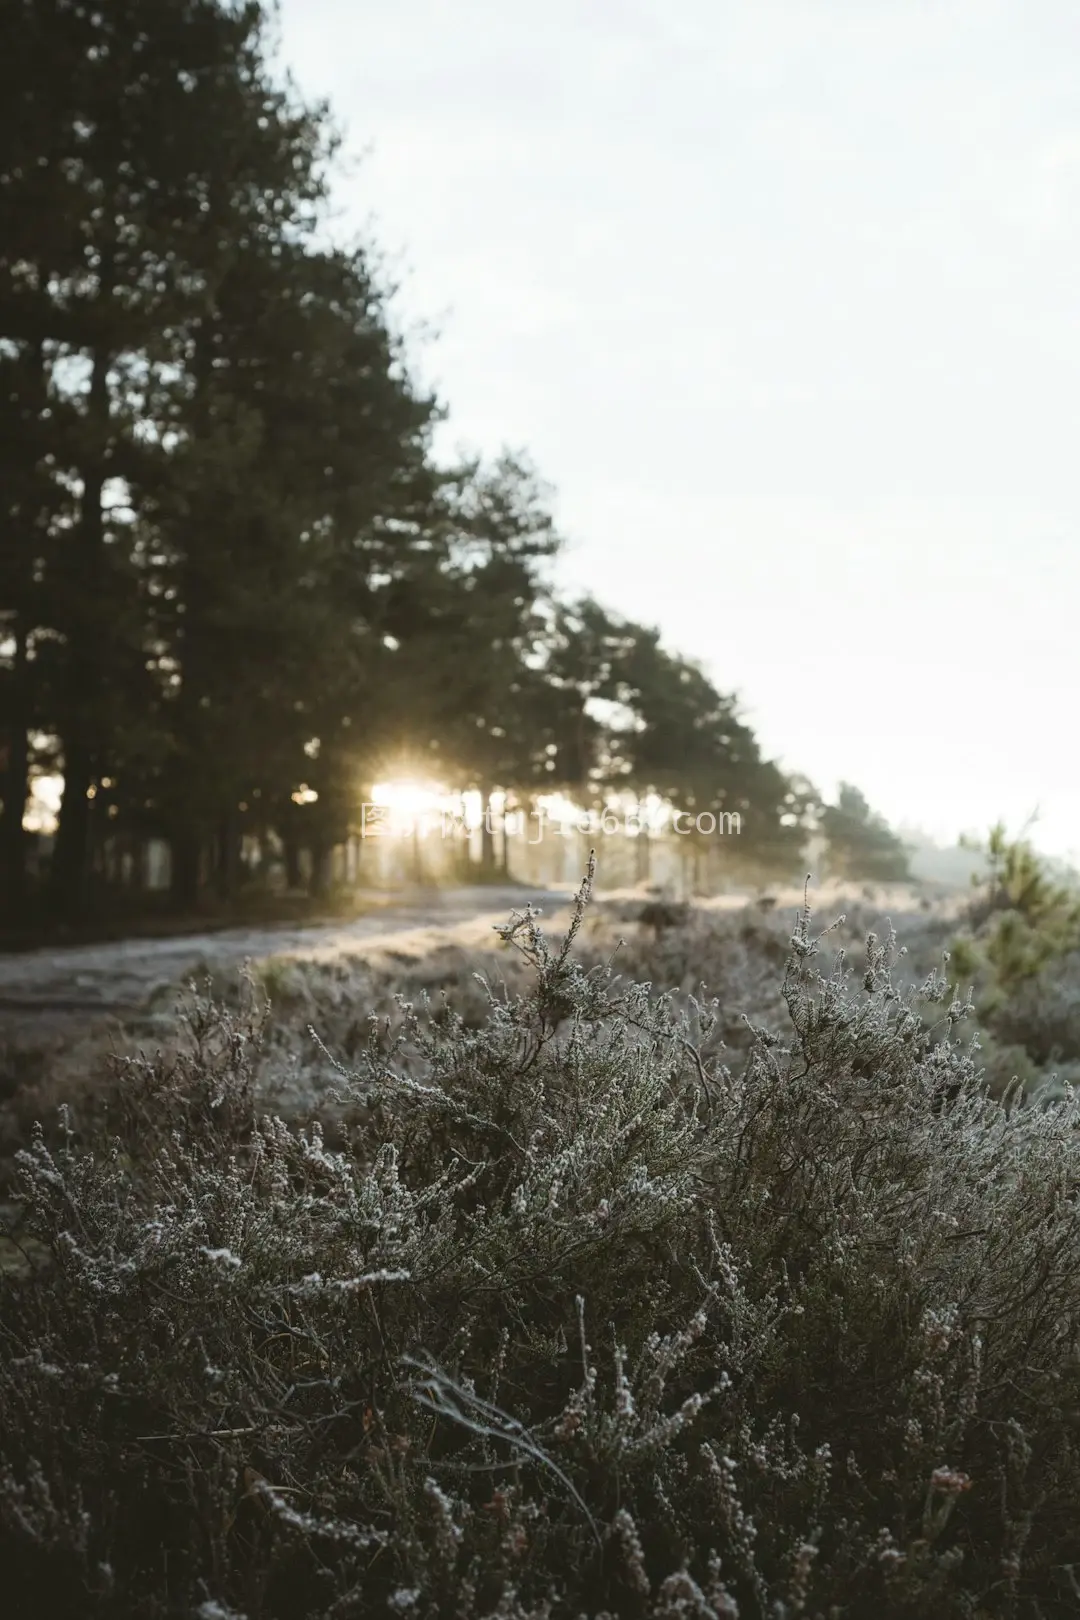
[[783, 296]]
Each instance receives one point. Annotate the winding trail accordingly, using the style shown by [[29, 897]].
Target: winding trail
[[59, 987], [59, 990]]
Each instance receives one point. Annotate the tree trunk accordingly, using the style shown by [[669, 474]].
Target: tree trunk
[[321, 856], [644, 853], [82, 718], [137, 848], [228, 856], [505, 850], [18, 544], [487, 835], [186, 852], [16, 782], [291, 852], [71, 852]]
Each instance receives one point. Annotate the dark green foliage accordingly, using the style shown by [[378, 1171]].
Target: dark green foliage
[[468, 678], [1023, 921], [142, 150], [860, 843], [689, 746], [302, 446], [572, 1319], [1020, 950], [617, 711]]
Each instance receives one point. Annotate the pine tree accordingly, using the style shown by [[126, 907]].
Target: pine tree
[[687, 745], [296, 489], [860, 843], [471, 633], [142, 140]]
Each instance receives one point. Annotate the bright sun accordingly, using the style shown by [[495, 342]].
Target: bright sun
[[409, 797]]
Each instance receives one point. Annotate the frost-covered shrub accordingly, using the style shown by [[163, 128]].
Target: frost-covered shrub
[[736, 957], [574, 1319]]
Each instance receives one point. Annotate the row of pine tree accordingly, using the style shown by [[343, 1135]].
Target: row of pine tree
[[229, 558]]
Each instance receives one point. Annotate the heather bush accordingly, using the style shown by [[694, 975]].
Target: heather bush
[[575, 1315], [738, 956]]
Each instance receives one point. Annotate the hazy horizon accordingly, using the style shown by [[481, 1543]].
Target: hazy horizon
[[779, 298]]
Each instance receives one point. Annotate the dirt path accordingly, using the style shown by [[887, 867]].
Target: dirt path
[[47, 989], [60, 991]]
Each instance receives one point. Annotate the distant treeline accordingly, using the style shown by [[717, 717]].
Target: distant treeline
[[230, 563]]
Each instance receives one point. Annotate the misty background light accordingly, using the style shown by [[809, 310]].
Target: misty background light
[[43, 805]]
